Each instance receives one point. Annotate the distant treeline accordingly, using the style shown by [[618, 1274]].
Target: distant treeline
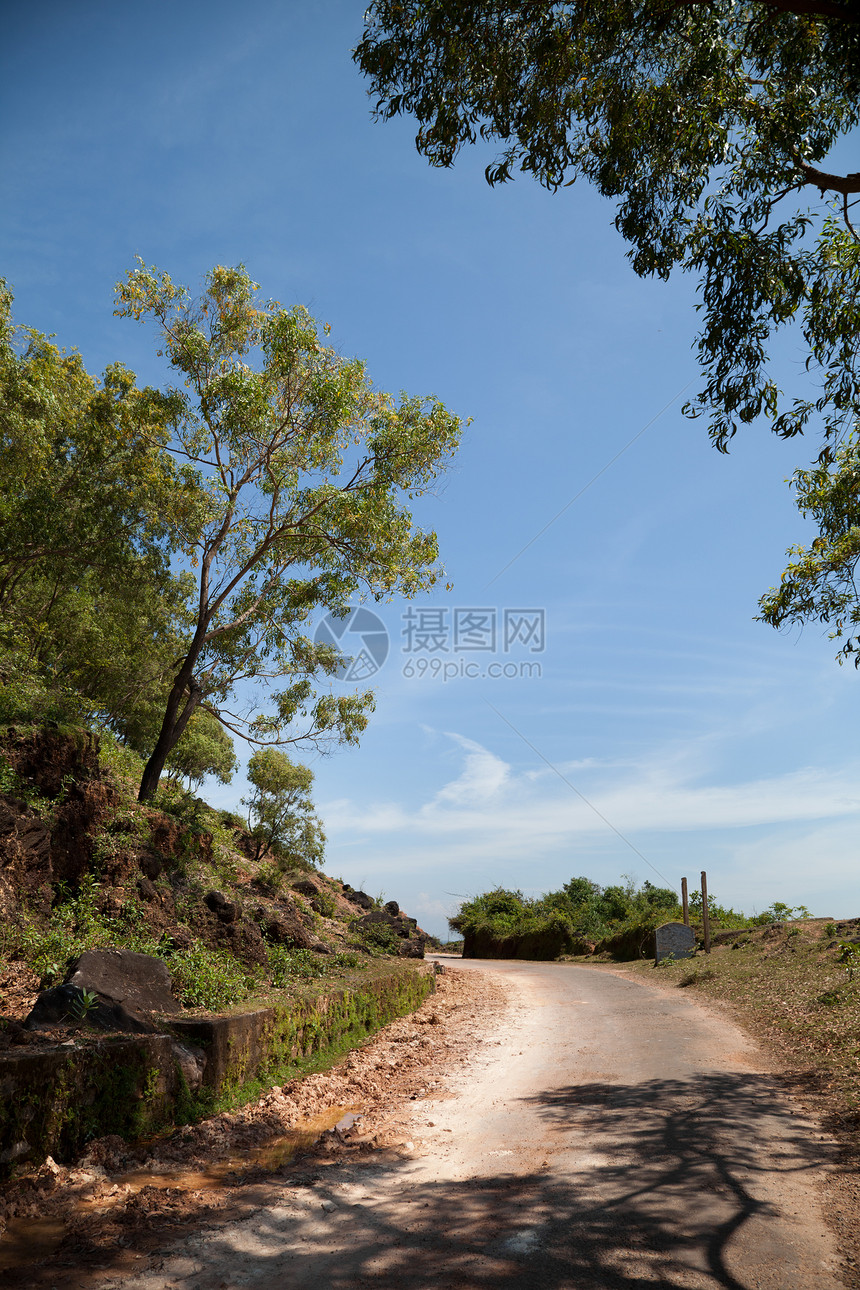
[[584, 918]]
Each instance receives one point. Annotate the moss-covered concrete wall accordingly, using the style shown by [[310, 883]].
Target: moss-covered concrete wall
[[54, 1101]]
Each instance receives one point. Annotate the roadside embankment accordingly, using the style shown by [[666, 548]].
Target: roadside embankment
[[58, 1096]]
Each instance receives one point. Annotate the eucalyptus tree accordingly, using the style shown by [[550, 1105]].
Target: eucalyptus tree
[[281, 813], [708, 123], [297, 472]]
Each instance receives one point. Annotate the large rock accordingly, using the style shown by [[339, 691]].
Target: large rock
[[139, 982], [226, 910], [402, 925], [359, 898], [245, 940], [412, 941], [284, 926], [307, 887], [108, 989], [70, 1003]]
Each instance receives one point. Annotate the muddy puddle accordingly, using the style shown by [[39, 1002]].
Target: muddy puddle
[[30, 1240]]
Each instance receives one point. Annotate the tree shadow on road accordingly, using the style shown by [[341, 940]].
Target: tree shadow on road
[[646, 1185]]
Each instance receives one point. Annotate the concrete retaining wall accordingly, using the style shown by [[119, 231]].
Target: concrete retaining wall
[[52, 1102]]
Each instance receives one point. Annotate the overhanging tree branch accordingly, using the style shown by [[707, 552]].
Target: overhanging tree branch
[[821, 179]]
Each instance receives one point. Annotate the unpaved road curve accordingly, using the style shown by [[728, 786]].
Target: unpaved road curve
[[609, 1136]]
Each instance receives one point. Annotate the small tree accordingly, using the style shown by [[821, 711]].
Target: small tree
[[297, 468], [280, 811], [204, 749]]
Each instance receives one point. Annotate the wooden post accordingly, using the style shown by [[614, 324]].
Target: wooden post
[[706, 921], [684, 903]]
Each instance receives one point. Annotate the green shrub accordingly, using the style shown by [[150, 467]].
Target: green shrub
[[75, 925], [323, 903], [270, 877], [122, 762], [288, 965], [379, 938], [205, 978]]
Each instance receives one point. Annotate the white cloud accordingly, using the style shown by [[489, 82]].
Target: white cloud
[[489, 806], [483, 776]]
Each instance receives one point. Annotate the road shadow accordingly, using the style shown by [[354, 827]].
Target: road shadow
[[646, 1185]]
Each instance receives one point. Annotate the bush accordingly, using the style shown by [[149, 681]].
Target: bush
[[323, 903], [288, 965], [121, 761], [379, 938], [205, 978]]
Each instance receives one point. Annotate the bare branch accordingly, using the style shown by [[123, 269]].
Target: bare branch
[[852, 230], [844, 184]]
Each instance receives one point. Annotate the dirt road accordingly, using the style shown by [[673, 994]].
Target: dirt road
[[607, 1135]]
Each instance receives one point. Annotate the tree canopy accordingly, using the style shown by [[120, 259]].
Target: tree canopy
[[707, 123], [296, 469], [820, 582], [204, 749], [280, 809], [710, 126], [89, 499]]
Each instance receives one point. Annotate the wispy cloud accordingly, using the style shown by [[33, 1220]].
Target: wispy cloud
[[500, 807], [483, 777]]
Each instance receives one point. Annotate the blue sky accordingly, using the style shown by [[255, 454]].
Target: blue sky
[[194, 134]]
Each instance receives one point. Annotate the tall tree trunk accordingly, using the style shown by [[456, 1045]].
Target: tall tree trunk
[[176, 718]]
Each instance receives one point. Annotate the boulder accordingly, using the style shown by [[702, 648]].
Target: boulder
[[391, 907], [402, 925], [284, 926], [412, 940], [244, 939], [151, 864], [178, 938], [413, 947], [359, 898], [307, 887], [139, 982], [147, 890], [69, 1003], [225, 910]]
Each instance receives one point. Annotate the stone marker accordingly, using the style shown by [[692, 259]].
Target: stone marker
[[675, 939]]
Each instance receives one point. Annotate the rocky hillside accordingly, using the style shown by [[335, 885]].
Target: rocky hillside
[[84, 865]]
